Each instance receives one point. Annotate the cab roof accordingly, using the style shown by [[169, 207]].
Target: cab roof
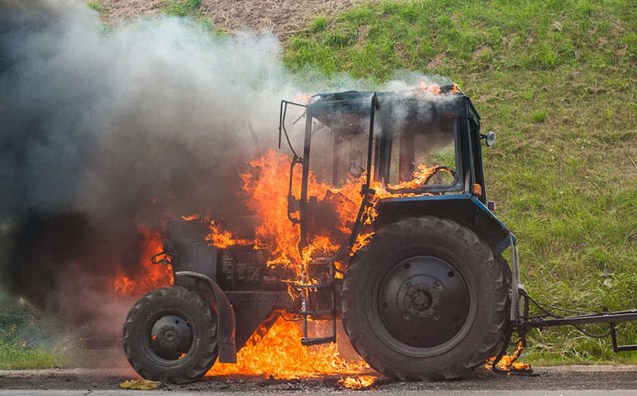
[[330, 107]]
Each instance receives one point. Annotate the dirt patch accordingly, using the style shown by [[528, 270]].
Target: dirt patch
[[284, 18], [116, 11]]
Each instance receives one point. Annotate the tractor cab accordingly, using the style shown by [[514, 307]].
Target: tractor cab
[[411, 150]]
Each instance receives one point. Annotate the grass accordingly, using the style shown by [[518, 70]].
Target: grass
[[96, 5], [182, 8], [557, 80], [26, 339]]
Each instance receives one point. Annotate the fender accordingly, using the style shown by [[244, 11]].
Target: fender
[[226, 321], [464, 209]]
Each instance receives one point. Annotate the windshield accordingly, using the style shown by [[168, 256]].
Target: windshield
[[415, 141], [420, 143]]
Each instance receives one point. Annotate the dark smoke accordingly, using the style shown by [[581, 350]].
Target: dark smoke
[[106, 130], [103, 131]]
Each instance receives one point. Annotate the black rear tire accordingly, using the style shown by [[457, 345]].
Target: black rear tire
[[425, 299], [170, 335]]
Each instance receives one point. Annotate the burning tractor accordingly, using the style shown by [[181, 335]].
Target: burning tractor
[[393, 234]]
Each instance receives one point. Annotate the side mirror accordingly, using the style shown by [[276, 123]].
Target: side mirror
[[489, 138]]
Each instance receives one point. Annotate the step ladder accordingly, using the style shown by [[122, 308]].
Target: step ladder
[[310, 297]]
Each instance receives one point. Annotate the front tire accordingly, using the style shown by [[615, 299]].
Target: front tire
[[425, 299], [170, 336]]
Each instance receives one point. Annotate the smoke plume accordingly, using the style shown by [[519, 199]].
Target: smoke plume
[[104, 131]]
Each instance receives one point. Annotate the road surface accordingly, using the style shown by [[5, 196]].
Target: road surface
[[560, 380]]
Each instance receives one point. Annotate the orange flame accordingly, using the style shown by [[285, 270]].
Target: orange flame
[[510, 363], [266, 185], [280, 354], [221, 238], [150, 276], [433, 89], [360, 382]]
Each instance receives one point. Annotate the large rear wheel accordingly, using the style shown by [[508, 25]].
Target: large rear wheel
[[425, 299], [170, 335]]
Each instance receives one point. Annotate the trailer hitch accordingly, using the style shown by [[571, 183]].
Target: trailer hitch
[[548, 318], [522, 322]]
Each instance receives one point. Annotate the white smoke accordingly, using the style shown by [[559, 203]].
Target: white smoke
[[93, 120]]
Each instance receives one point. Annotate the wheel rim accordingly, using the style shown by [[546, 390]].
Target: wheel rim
[[422, 306], [170, 337]]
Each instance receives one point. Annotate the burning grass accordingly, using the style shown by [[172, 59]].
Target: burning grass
[[510, 363]]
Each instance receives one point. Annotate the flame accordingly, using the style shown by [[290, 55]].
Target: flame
[[267, 181], [455, 89], [221, 238], [266, 184], [510, 363], [421, 176], [150, 276], [280, 354], [360, 382], [433, 89]]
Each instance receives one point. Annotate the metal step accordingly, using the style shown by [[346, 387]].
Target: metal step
[[326, 285], [306, 291], [318, 340], [319, 312]]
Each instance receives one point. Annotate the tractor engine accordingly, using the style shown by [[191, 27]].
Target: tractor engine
[[235, 267]]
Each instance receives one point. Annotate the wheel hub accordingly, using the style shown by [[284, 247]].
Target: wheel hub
[[423, 301], [419, 300], [171, 337]]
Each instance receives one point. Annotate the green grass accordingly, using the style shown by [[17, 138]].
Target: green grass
[[27, 341], [557, 80], [182, 8], [97, 5]]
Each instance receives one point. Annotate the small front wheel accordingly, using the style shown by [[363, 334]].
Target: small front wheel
[[170, 335]]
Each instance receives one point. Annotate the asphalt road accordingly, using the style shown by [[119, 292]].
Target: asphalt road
[[561, 380]]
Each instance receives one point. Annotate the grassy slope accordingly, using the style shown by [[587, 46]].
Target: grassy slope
[[557, 81]]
